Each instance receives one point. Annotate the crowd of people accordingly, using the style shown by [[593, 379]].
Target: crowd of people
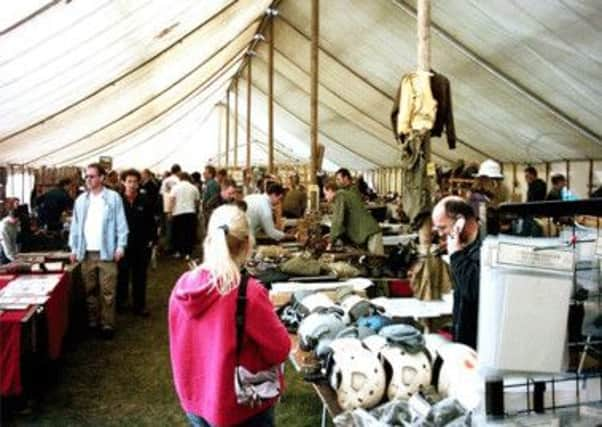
[[118, 220]]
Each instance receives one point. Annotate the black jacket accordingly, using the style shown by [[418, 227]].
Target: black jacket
[[536, 191], [465, 268], [141, 222], [50, 207]]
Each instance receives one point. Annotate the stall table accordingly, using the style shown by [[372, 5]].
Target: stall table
[[325, 393], [12, 323]]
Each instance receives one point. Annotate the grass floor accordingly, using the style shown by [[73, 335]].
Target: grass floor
[[127, 381]]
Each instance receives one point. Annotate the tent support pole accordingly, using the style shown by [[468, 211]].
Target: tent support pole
[[425, 234], [270, 31], [227, 128], [235, 163], [249, 88], [590, 184], [315, 36]]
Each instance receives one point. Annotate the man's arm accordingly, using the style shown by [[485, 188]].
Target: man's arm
[[267, 223], [8, 245], [74, 232], [122, 228]]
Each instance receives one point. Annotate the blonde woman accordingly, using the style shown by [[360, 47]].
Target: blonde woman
[[202, 329]]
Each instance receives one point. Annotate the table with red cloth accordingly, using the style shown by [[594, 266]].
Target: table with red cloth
[[11, 324]]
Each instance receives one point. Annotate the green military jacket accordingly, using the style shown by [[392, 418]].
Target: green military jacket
[[351, 218]]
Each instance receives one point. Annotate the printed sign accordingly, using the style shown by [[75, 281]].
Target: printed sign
[[528, 256]]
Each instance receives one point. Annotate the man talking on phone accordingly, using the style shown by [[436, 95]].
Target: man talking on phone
[[454, 220]]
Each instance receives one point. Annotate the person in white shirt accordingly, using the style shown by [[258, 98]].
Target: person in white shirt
[[166, 185], [259, 211], [9, 229], [185, 199], [98, 238]]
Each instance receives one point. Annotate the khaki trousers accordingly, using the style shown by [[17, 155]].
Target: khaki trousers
[[375, 244], [100, 282]]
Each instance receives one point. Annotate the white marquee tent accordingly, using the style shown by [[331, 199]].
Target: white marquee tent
[[144, 81]]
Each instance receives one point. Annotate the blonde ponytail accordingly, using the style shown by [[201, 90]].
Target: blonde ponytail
[[226, 247]]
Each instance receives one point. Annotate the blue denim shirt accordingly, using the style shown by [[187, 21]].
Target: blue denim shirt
[[114, 226]]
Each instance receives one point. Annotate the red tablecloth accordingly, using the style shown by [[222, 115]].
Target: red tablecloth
[[57, 314]]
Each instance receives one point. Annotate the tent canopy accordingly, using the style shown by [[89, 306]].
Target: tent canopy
[[145, 81]]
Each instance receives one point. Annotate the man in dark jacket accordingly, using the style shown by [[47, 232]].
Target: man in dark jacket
[[454, 219], [52, 204], [143, 234], [537, 187]]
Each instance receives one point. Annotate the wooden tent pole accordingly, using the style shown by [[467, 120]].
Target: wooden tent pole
[[270, 31], [590, 180], [235, 163], [424, 53], [220, 109], [425, 234], [227, 128], [249, 87], [315, 34]]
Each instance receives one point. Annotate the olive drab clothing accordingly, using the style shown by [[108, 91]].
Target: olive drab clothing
[[431, 278], [414, 198], [351, 218]]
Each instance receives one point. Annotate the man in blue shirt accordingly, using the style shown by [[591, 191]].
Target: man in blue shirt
[[98, 238]]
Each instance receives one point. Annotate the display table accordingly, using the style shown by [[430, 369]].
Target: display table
[[325, 393], [11, 331]]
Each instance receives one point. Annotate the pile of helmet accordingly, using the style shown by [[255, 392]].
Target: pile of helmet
[[368, 358]]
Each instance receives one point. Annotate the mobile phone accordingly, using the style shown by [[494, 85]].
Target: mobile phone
[[458, 226]]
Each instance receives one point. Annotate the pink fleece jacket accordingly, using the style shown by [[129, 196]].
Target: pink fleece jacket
[[202, 341]]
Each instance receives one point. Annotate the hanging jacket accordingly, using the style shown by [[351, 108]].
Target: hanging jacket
[[445, 117], [441, 92], [417, 107]]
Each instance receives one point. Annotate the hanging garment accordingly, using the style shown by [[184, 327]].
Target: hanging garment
[[417, 107], [415, 198], [431, 278], [441, 92], [445, 117]]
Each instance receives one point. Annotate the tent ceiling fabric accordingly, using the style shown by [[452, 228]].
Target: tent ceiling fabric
[[139, 80]]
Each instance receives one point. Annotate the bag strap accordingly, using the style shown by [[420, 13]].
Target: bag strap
[[241, 303]]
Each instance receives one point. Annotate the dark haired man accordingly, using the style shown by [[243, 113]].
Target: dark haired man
[[226, 195], [53, 203], [343, 178], [558, 183], [98, 238], [454, 219], [142, 236], [536, 186], [211, 185], [351, 219], [259, 211]]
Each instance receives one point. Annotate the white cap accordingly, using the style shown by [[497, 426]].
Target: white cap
[[490, 168]]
